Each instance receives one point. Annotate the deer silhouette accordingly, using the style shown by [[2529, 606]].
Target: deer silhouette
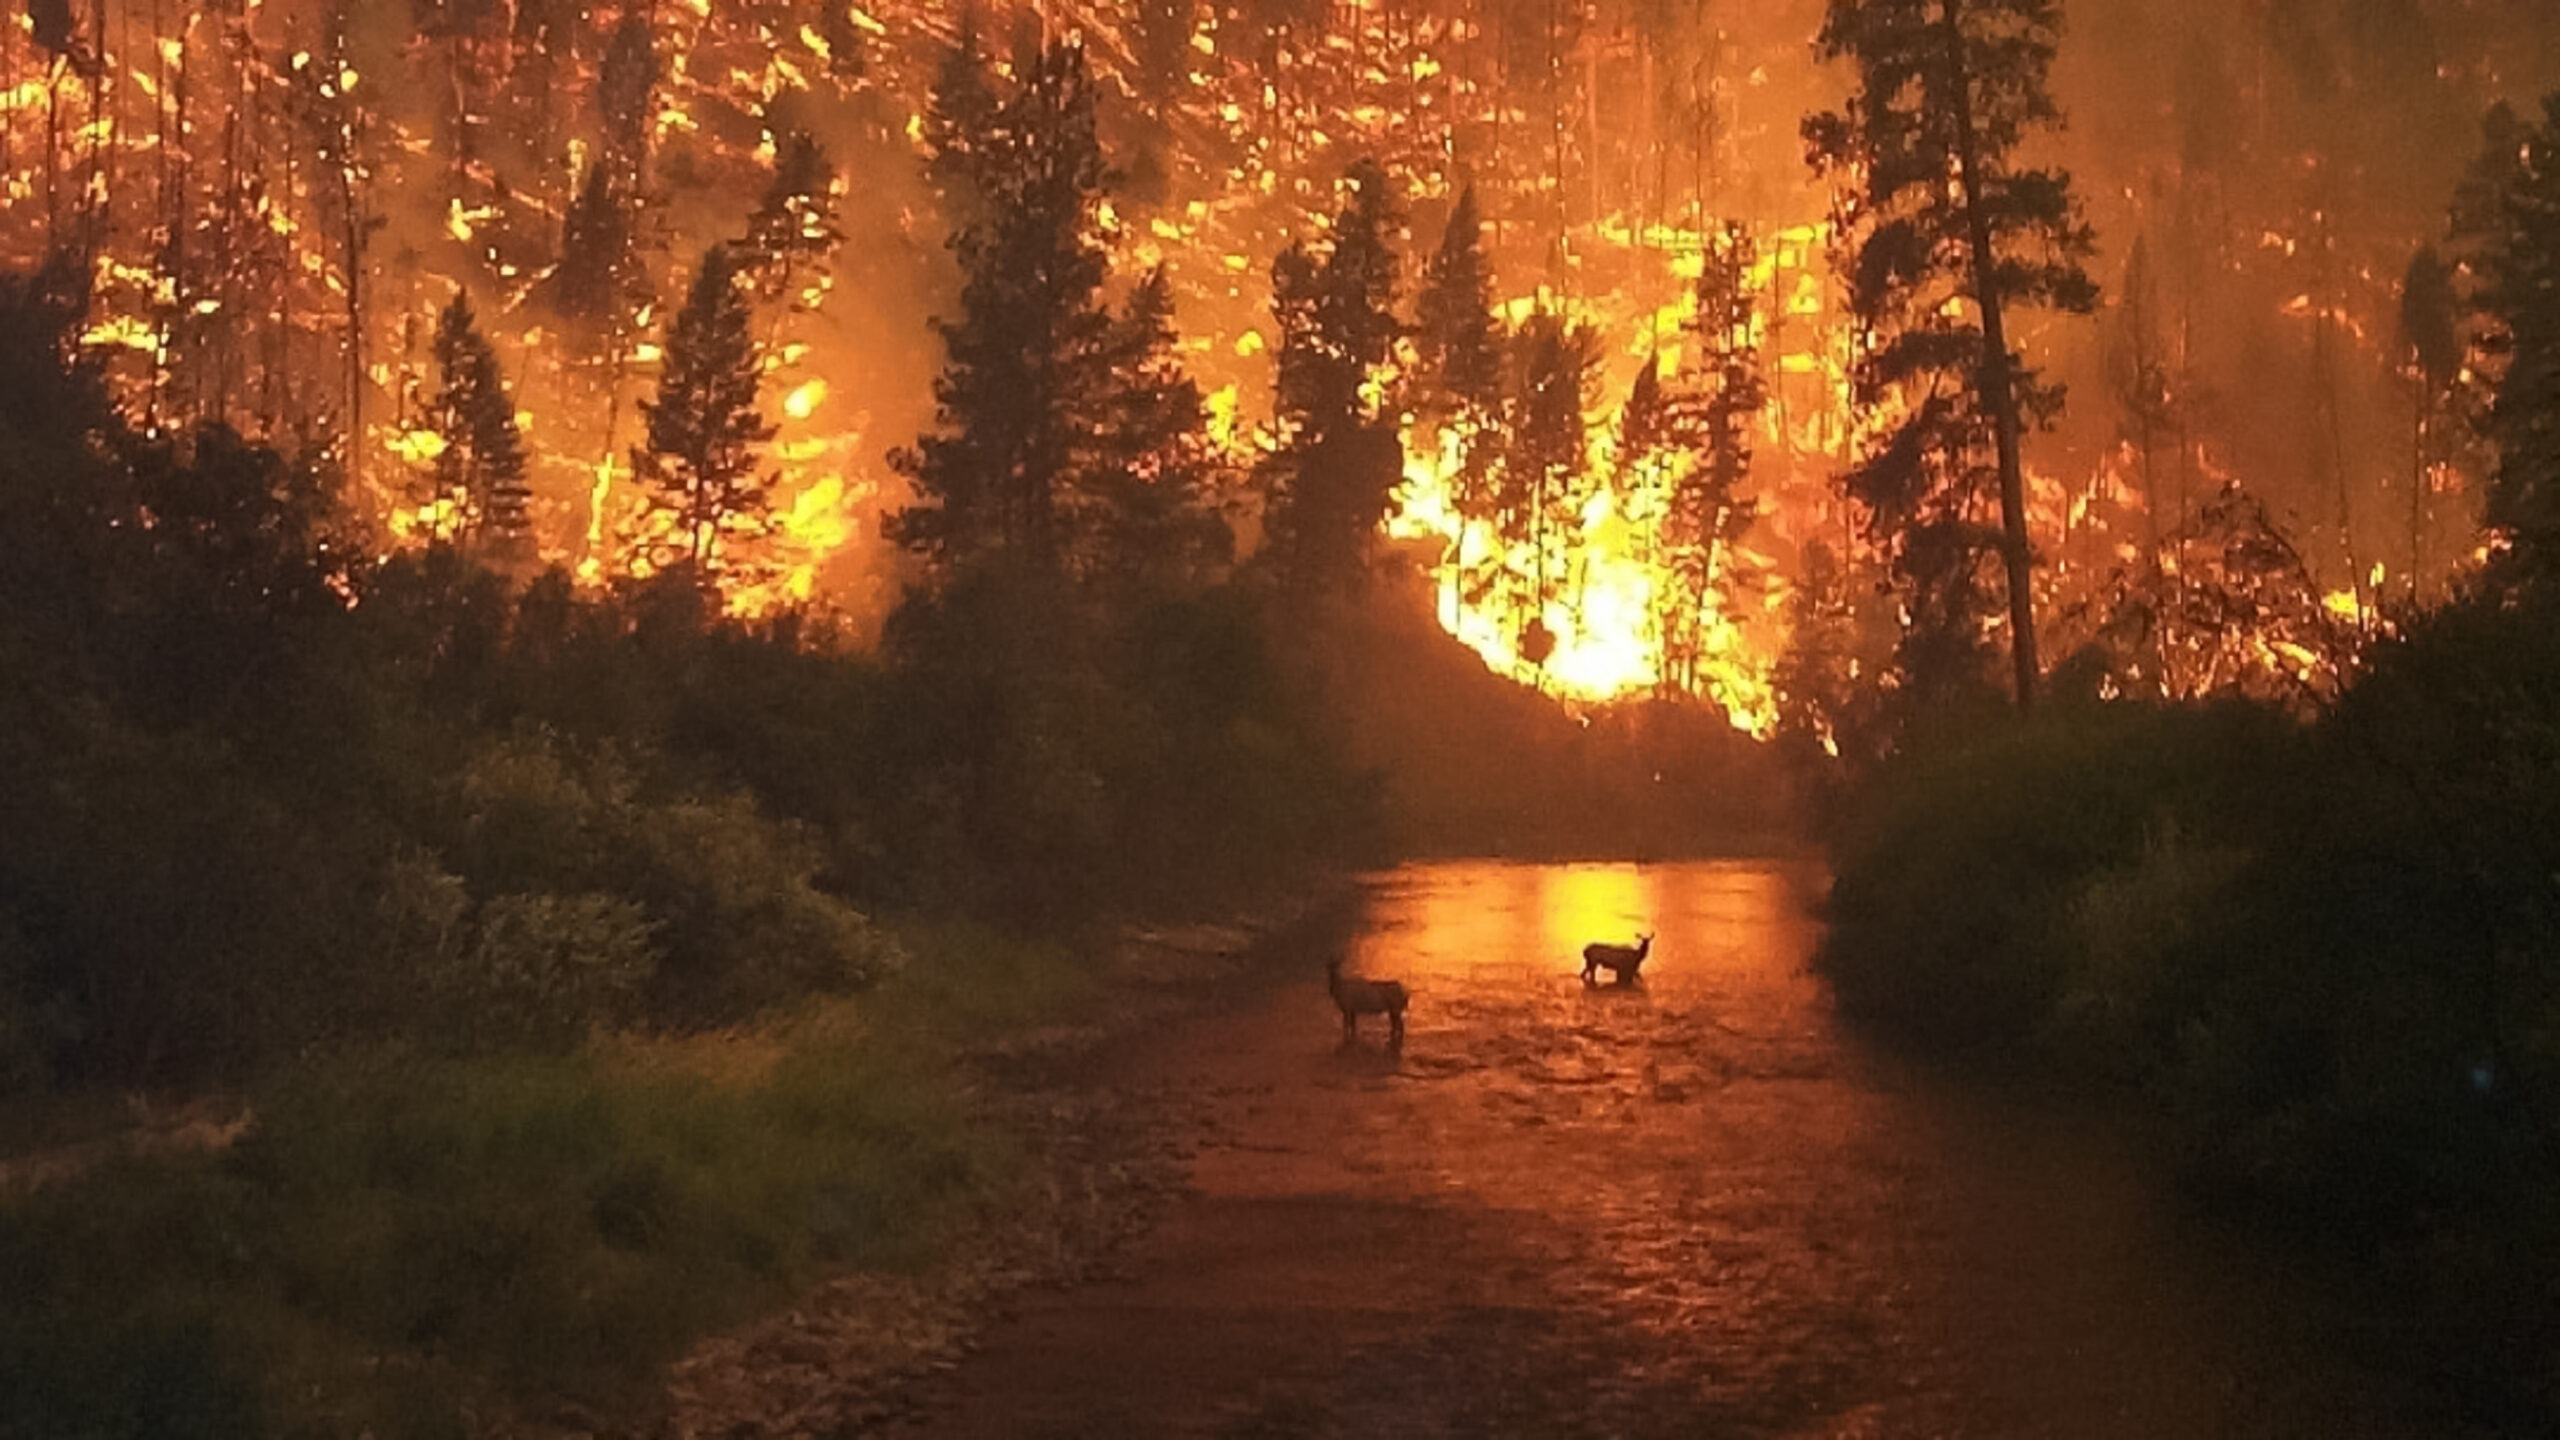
[[1356, 998], [1620, 960]]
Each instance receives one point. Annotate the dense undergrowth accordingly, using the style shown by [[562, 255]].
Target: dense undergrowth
[[406, 1244], [2326, 947], [437, 868]]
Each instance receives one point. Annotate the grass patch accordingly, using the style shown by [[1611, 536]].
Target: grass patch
[[404, 1240], [966, 981]]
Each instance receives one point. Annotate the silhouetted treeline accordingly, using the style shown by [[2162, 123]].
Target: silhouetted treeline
[[258, 793]]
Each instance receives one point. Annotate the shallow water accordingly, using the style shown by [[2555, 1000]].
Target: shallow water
[[1693, 1206]]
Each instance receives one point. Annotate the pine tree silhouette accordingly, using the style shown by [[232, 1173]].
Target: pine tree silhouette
[[703, 428], [1945, 235], [481, 469], [1711, 414], [1328, 484], [794, 223], [2523, 291], [1027, 373]]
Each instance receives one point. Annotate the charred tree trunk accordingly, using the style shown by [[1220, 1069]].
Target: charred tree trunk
[[1997, 383]]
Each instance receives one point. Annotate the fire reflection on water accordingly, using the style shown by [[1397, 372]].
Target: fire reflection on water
[[1725, 1214], [1505, 926]]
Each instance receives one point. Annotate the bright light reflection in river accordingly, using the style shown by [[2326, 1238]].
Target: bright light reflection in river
[[1495, 924]]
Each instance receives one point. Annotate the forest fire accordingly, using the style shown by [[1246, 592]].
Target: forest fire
[[277, 202], [643, 636]]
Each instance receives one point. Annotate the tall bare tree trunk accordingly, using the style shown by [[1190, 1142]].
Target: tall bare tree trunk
[[1999, 390]]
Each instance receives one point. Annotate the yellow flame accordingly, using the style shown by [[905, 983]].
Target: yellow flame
[[804, 400]]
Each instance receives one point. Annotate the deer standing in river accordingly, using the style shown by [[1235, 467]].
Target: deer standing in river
[[1356, 998], [1620, 960]]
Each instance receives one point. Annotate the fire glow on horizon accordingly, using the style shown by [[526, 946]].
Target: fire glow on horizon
[[277, 197]]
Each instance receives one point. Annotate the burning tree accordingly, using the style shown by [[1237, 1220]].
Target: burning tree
[[1457, 384], [2240, 614], [2145, 394], [703, 427], [1943, 236], [1328, 482], [794, 224]]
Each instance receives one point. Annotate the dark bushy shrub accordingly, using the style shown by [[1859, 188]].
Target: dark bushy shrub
[[1967, 869]]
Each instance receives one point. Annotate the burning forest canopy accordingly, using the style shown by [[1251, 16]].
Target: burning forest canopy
[[279, 202]]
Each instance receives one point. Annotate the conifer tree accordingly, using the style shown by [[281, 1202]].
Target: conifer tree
[[2476, 243], [1649, 465], [626, 83], [2524, 293], [1712, 414], [1815, 679], [1027, 364], [1151, 526], [794, 223], [2144, 395], [1544, 483], [1456, 337], [961, 124], [1163, 34], [592, 284], [1945, 235], [848, 48], [1328, 484], [481, 469], [703, 427], [1457, 386]]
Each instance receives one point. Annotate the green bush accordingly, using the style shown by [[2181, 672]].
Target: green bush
[[395, 1240], [742, 921], [600, 892], [2127, 947], [2329, 951], [1956, 882]]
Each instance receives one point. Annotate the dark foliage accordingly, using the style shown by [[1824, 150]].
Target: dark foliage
[[1943, 235], [1339, 456], [593, 285], [2521, 272], [480, 472], [794, 223], [2327, 950], [703, 428], [256, 800], [1028, 367]]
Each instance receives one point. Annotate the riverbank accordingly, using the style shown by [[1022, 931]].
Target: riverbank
[[417, 1247], [2312, 951]]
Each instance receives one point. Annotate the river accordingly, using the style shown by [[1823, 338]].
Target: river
[[1691, 1207]]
